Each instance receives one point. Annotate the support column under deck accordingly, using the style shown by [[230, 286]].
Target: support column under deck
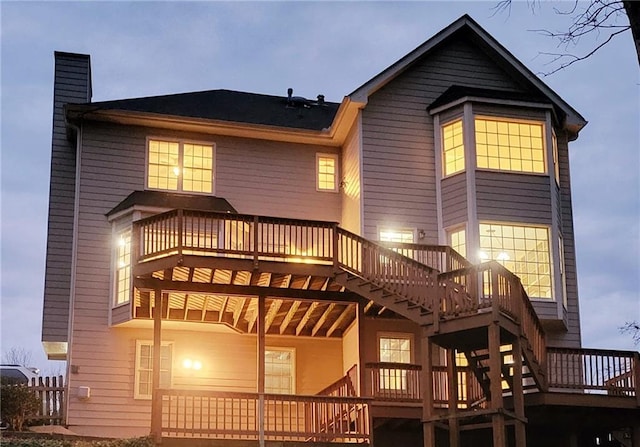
[[452, 378], [156, 401], [426, 377], [261, 368], [495, 377]]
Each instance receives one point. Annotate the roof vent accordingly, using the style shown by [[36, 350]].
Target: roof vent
[[296, 101], [320, 100]]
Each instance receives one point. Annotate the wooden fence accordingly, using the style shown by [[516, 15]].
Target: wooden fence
[[51, 393]]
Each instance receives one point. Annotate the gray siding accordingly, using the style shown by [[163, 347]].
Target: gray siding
[[398, 155], [572, 338], [351, 197], [255, 176], [72, 84], [454, 200], [513, 197]]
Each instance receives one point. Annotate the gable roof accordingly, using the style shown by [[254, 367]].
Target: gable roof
[[168, 200], [572, 119], [230, 106]]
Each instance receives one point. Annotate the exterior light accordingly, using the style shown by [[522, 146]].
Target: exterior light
[[502, 256], [483, 255], [121, 242], [197, 365], [187, 363], [176, 170]]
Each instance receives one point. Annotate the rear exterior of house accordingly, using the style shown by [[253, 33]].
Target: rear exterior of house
[[398, 266]]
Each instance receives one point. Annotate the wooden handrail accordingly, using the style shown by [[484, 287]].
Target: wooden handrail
[[344, 386], [440, 257]]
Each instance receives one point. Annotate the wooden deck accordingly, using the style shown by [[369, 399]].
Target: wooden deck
[[311, 277]]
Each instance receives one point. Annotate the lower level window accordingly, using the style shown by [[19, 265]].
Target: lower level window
[[394, 349], [522, 249], [279, 370], [123, 268], [143, 386]]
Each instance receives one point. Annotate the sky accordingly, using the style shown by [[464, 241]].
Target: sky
[[152, 48]]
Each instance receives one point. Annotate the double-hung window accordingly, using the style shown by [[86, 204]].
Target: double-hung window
[[143, 386], [123, 268], [394, 348], [279, 370], [453, 147], [180, 166], [327, 172]]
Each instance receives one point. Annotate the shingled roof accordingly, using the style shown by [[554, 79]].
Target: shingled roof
[[231, 106]]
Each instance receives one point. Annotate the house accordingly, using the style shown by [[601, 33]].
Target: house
[[395, 268]]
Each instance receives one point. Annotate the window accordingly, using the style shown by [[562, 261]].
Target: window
[[453, 148], [180, 166], [394, 349], [556, 162], [123, 268], [563, 278], [509, 146], [457, 241], [327, 172], [279, 370], [522, 249], [394, 235], [143, 386]]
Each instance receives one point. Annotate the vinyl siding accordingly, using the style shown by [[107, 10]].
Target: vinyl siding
[[351, 197], [572, 338], [229, 364], [72, 84], [398, 156], [256, 177], [511, 197], [454, 200]]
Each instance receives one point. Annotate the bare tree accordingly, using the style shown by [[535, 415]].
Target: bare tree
[[632, 328], [17, 356], [602, 19]]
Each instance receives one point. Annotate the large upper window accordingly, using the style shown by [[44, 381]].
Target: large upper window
[[453, 147], [509, 145], [524, 250], [180, 166]]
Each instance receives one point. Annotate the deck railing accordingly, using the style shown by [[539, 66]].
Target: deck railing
[[594, 371], [490, 285], [218, 415], [440, 257], [344, 386]]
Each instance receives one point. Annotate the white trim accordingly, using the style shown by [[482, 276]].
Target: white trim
[[336, 175], [496, 101], [437, 146], [473, 227], [361, 172]]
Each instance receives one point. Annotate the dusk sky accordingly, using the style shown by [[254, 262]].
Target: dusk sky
[[146, 48]]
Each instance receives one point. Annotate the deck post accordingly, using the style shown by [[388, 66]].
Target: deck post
[[261, 368], [518, 394], [452, 378], [428, 425], [495, 377], [180, 231], [636, 380], [364, 388], [156, 399]]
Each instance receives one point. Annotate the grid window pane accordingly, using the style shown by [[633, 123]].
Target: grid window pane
[[522, 249], [394, 350], [144, 368], [457, 241], [279, 371], [123, 268], [391, 235], [178, 166], [453, 148], [327, 172], [509, 146]]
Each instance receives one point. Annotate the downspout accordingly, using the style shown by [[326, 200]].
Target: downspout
[[74, 259]]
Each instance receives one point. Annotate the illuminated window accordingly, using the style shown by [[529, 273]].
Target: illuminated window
[[453, 148], [123, 268], [143, 386], [394, 349], [327, 172], [509, 146], [394, 235], [524, 250], [279, 370], [457, 241], [180, 166]]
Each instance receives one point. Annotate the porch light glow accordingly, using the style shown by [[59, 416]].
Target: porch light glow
[[483, 255], [196, 365], [502, 256]]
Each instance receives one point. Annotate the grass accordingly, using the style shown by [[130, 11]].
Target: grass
[[45, 440]]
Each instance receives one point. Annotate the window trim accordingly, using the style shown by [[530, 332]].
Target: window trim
[[136, 371], [114, 295], [400, 336], [181, 143], [336, 162], [292, 351], [457, 229], [398, 230]]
